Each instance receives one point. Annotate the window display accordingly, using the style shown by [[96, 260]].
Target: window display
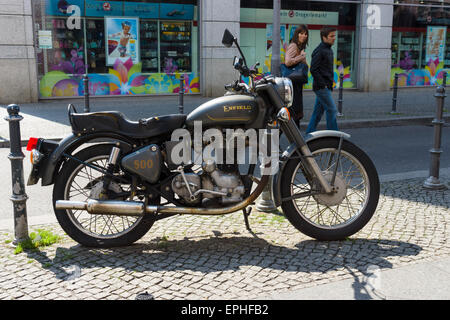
[[256, 18], [67, 52], [346, 44], [407, 50], [126, 47], [95, 43], [420, 45], [149, 46], [175, 47]]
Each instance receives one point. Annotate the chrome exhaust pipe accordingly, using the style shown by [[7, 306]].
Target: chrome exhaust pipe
[[111, 207], [136, 208]]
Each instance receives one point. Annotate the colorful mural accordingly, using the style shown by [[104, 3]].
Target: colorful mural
[[125, 78], [431, 75]]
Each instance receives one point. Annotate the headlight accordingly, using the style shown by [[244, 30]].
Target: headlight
[[285, 90]]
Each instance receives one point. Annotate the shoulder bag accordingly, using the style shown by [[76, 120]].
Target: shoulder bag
[[298, 73]]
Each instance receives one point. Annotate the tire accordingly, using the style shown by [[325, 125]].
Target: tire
[[313, 215], [74, 222]]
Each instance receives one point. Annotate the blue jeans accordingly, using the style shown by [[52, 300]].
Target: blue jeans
[[324, 103]]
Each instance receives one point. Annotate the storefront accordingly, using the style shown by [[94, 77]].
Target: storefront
[[142, 47], [256, 32], [125, 47], [420, 42]]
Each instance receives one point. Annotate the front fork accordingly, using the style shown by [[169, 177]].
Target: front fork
[[293, 134]]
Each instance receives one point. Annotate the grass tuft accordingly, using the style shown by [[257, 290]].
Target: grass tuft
[[41, 238]]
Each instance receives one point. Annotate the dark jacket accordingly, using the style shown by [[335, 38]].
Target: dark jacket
[[322, 67]]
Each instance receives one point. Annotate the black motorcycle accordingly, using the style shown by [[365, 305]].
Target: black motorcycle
[[113, 178]]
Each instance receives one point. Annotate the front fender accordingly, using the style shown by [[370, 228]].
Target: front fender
[[68, 145], [289, 151]]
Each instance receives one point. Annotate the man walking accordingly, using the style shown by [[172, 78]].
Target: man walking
[[323, 74]]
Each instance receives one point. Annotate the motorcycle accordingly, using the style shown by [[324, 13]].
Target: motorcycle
[[114, 178]]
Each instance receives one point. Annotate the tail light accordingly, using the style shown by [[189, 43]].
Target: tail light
[[35, 156], [32, 143]]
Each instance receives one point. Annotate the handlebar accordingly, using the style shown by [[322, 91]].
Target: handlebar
[[237, 86]]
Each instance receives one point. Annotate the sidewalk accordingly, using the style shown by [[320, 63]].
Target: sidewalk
[[48, 119], [402, 253]]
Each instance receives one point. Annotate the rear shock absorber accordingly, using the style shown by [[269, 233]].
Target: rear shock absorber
[[112, 161]]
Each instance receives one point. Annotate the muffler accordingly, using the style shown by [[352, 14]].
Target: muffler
[[117, 208], [136, 208]]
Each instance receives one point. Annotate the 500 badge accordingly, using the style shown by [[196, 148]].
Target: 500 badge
[[143, 164]]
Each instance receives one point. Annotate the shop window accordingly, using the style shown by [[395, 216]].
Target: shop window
[[126, 47], [420, 44], [149, 46], [175, 47], [95, 43], [65, 52], [256, 33]]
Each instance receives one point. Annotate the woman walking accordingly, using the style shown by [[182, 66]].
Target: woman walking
[[295, 54]]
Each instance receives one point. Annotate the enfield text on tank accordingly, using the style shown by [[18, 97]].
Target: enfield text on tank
[[114, 178]]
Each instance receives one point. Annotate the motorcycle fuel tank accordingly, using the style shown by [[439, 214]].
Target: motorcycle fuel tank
[[233, 110]]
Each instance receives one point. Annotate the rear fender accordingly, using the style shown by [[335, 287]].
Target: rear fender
[[276, 180], [69, 144]]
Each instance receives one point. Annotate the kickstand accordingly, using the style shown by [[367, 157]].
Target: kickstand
[[246, 214]]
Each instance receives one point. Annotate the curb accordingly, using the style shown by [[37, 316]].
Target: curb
[[344, 124]]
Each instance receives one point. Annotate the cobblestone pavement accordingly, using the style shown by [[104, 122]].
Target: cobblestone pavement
[[217, 258]]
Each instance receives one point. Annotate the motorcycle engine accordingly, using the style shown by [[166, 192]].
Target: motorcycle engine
[[209, 183]]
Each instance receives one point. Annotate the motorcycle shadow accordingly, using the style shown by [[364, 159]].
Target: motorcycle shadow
[[230, 252]]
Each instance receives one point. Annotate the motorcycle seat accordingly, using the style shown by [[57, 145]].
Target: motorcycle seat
[[117, 122]]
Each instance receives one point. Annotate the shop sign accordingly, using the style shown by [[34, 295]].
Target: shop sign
[[171, 11], [45, 39], [435, 43], [122, 39], [142, 10], [290, 16], [60, 7], [96, 8]]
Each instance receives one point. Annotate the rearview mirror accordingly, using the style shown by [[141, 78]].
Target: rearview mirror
[[227, 39]]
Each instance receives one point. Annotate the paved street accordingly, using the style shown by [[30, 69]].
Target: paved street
[[217, 258]]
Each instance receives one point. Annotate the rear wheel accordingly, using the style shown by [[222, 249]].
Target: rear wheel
[[336, 216], [78, 182]]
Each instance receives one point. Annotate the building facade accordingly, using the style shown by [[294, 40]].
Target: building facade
[[143, 47]]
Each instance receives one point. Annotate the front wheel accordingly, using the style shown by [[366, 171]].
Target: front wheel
[[341, 214]]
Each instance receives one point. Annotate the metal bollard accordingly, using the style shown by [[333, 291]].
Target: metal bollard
[[433, 182], [444, 79], [16, 156], [181, 95], [340, 100], [86, 93], [265, 202], [394, 98]]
